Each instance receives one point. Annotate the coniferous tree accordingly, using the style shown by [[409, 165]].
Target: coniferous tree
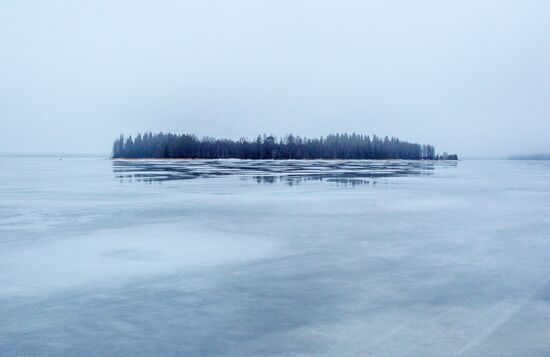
[[338, 146]]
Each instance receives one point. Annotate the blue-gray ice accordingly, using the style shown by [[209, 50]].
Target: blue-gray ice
[[274, 258]]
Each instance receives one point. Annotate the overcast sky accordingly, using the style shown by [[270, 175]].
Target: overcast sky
[[471, 77]]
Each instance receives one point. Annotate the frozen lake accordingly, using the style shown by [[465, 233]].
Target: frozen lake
[[378, 258]]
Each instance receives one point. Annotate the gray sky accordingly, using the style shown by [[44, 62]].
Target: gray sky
[[471, 77]]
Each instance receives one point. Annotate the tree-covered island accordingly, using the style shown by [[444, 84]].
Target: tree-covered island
[[268, 147]]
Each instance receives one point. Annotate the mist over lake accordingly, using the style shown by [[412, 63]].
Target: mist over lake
[[290, 257], [274, 178]]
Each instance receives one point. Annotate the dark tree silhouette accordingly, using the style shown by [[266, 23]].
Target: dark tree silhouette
[[339, 146]]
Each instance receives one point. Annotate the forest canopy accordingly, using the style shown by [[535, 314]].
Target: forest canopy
[[338, 146]]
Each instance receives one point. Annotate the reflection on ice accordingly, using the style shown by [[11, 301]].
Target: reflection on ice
[[354, 172], [297, 179]]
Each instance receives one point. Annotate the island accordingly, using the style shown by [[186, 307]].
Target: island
[[268, 147]]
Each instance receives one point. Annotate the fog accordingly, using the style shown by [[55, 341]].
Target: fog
[[469, 77]]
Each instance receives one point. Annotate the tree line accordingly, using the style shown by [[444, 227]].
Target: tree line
[[338, 146]]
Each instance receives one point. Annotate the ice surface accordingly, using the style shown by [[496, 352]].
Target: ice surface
[[190, 257]]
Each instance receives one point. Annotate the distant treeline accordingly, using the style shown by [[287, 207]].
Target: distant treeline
[[339, 146], [543, 156]]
